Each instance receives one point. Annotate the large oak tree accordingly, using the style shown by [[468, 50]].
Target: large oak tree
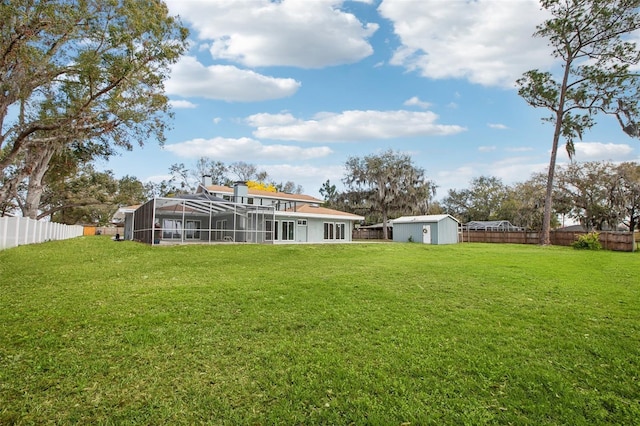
[[83, 72], [389, 182]]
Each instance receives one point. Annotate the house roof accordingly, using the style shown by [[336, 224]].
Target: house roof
[[308, 210], [266, 194], [425, 218], [120, 214], [200, 196]]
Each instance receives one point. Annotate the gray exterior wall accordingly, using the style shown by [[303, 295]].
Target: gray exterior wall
[[128, 226], [313, 232], [405, 232], [447, 231], [444, 231]]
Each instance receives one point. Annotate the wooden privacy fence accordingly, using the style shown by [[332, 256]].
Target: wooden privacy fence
[[16, 231], [103, 230], [617, 241], [370, 234]]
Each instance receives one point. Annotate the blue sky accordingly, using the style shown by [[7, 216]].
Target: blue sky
[[296, 87]]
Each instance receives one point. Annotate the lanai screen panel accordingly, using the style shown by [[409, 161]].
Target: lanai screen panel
[[197, 220], [143, 223]]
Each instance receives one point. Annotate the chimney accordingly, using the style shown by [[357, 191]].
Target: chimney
[[206, 180], [240, 191]]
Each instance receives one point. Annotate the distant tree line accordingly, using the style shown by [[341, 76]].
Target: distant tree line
[[381, 187], [184, 180], [598, 195]]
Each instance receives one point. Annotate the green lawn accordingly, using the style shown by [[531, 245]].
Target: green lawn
[[93, 331]]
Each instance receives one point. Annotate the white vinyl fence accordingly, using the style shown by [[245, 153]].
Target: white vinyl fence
[[16, 231]]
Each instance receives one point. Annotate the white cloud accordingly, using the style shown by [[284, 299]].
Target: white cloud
[[487, 148], [497, 126], [515, 169], [510, 170], [300, 33], [265, 119], [350, 126], [485, 41], [415, 101], [245, 149], [457, 178], [180, 103], [190, 78], [595, 151], [216, 120]]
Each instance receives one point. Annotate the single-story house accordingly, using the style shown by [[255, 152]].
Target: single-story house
[[217, 213], [427, 229]]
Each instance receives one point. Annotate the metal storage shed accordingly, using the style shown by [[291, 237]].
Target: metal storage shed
[[429, 229]]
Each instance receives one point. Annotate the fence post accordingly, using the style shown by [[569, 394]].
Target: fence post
[[4, 230], [33, 230], [17, 235], [16, 229]]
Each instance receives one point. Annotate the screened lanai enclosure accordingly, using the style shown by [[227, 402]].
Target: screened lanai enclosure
[[201, 219]]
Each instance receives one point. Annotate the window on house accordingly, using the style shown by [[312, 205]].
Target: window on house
[[334, 231], [328, 231], [287, 230], [268, 227], [171, 229], [302, 222], [221, 225], [192, 230]]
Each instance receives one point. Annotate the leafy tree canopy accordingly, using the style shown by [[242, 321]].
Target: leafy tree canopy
[[87, 73], [389, 182], [184, 179], [590, 39], [90, 196]]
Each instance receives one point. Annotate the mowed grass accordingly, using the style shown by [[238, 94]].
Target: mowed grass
[[98, 332]]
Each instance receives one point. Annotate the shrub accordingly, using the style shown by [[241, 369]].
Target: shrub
[[590, 241]]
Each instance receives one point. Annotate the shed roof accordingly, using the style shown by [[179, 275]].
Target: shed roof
[[431, 218]]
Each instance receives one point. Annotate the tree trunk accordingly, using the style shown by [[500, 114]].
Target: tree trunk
[[35, 188], [385, 233], [545, 237]]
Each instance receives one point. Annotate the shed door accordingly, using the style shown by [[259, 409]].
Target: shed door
[[426, 234]]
